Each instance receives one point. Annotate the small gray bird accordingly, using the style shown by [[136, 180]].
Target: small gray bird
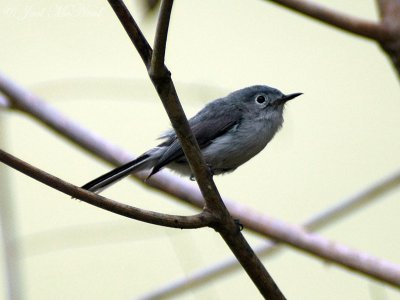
[[229, 131]]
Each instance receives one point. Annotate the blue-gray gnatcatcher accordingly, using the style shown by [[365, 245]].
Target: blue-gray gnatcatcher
[[229, 131]]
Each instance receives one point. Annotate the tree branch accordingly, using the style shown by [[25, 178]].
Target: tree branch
[[386, 32], [337, 19], [390, 15], [24, 101], [166, 90], [317, 245], [133, 31], [196, 221], [160, 41]]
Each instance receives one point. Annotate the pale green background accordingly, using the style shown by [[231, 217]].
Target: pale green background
[[342, 135]]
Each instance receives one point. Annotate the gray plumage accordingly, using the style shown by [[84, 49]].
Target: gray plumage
[[230, 131]]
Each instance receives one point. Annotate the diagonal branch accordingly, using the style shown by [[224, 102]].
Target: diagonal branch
[[160, 41], [166, 90], [133, 31], [197, 221], [337, 19], [319, 246]]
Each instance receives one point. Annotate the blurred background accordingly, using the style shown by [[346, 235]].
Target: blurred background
[[338, 138]]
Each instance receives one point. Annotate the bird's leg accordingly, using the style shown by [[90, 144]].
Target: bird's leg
[[210, 168]]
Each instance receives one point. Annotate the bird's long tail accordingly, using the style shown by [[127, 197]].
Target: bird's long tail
[[106, 180]]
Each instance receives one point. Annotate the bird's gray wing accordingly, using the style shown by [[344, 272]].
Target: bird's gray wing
[[213, 121]]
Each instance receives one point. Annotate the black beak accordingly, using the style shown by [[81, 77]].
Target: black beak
[[286, 98]]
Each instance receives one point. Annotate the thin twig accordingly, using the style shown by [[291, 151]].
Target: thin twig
[[200, 220], [160, 40], [24, 101], [133, 31], [342, 209], [340, 20], [166, 90], [354, 202]]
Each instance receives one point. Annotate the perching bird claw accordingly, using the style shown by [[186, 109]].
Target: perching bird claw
[[238, 225]]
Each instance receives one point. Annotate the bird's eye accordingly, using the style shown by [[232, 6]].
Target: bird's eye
[[260, 99]]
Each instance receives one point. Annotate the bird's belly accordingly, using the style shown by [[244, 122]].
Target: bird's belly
[[228, 152]]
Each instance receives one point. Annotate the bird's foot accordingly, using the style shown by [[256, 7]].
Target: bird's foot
[[238, 225], [193, 178]]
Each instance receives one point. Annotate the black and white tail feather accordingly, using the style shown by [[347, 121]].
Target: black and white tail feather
[[98, 184]]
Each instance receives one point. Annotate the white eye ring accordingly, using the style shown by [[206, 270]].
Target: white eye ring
[[261, 99]]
